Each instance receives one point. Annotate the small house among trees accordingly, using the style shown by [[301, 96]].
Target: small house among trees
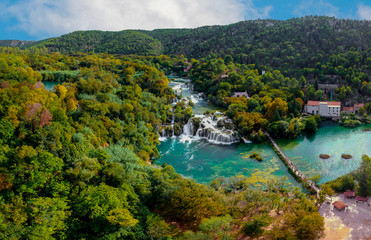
[[241, 94]]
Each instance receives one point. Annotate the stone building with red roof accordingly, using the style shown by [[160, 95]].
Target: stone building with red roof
[[348, 109], [324, 109]]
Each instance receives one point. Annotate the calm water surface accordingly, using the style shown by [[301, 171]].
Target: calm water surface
[[50, 85], [333, 140]]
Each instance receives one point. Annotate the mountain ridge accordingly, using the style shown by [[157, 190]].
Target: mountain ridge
[[297, 42]]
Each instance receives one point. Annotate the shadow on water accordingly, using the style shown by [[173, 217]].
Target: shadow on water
[[310, 136]]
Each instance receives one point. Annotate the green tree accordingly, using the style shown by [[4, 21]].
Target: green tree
[[311, 125]]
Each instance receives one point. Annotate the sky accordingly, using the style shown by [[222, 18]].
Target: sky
[[40, 19]]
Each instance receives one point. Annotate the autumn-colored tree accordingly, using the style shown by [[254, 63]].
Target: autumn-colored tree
[[45, 118], [272, 107]]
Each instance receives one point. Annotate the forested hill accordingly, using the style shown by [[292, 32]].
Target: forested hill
[[298, 42], [123, 42]]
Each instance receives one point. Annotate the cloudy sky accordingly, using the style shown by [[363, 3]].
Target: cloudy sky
[[38, 19]]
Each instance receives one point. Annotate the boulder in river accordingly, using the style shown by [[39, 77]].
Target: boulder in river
[[346, 156], [324, 156]]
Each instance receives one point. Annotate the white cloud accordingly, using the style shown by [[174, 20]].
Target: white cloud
[[253, 12], [311, 7], [54, 17], [364, 12]]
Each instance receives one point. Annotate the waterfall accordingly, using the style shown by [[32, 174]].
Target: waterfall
[[172, 124], [163, 136], [245, 140], [215, 128], [208, 129]]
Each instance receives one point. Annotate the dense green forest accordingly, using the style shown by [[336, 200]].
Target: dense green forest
[[123, 42], [290, 45], [75, 162]]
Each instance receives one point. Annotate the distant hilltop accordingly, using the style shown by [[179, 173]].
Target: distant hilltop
[[15, 43]]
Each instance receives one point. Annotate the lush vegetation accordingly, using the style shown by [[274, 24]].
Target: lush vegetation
[[123, 42], [359, 180], [290, 46], [275, 102], [352, 120], [75, 162], [298, 56]]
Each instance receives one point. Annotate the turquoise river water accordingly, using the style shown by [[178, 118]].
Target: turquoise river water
[[204, 161]]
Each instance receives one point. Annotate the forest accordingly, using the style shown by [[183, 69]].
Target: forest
[[290, 46], [76, 161]]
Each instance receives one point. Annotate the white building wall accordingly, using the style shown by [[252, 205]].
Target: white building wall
[[334, 111], [323, 110], [329, 111], [312, 109]]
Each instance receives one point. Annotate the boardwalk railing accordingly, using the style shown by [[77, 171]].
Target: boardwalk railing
[[292, 166]]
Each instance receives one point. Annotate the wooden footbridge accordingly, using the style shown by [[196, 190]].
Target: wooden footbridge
[[292, 166]]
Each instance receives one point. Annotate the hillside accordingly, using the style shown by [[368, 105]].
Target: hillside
[[294, 43], [123, 42], [15, 43]]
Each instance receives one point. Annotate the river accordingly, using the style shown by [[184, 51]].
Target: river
[[50, 85], [203, 161]]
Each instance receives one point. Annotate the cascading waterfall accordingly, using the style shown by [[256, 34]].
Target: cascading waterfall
[[172, 125], [216, 128], [211, 128]]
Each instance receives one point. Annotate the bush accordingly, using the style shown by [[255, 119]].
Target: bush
[[257, 137], [254, 228], [256, 156], [351, 123]]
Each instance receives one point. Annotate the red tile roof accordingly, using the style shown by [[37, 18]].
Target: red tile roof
[[360, 198], [313, 103], [348, 108], [339, 205], [334, 103], [359, 105], [349, 194], [316, 103]]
